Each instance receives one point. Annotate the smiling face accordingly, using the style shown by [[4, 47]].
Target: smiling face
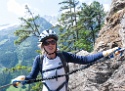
[[50, 45]]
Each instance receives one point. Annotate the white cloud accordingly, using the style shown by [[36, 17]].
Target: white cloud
[[16, 8], [8, 26], [42, 1]]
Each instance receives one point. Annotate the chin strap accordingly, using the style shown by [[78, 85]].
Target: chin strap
[[51, 53]]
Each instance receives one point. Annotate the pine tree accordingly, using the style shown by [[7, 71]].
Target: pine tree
[[67, 22], [29, 28], [79, 28], [92, 17]]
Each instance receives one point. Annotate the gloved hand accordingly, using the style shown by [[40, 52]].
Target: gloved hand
[[120, 51], [18, 81], [110, 51]]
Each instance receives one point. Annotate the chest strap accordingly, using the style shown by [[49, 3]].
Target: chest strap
[[59, 67]]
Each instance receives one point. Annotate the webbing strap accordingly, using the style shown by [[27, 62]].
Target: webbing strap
[[59, 67], [41, 63], [64, 83], [65, 64]]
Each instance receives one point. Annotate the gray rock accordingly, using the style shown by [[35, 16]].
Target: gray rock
[[107, 74]]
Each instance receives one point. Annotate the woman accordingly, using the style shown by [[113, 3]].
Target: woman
[[51, 61]]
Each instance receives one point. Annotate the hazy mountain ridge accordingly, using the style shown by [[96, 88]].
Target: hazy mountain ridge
[[52, 19], [25, 52]]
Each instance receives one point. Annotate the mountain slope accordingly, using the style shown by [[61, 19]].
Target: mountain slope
[[14, 54]]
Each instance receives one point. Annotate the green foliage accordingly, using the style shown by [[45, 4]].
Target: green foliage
[[11, 88], [6, 57], [5, 79], [68, 20], [28, 28], [37, 86], [79, 29], [83, 43], [92, 17]]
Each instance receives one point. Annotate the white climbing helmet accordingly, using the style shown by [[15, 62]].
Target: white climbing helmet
[[47, 34]]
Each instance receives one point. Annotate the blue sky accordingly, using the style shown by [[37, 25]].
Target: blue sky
[[11, 10]]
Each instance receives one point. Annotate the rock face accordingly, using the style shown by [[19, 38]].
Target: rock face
[[108, 74]]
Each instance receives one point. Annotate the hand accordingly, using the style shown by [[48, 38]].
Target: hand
[[119, 51], [18, 81], [110, 51]]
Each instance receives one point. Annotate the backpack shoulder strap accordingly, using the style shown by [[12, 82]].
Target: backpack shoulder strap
[[41, 63], [64, 62]]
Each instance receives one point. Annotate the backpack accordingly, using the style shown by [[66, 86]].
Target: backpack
[[64, 62]]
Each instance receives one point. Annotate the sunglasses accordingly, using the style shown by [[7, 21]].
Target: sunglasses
[[52, 42]]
